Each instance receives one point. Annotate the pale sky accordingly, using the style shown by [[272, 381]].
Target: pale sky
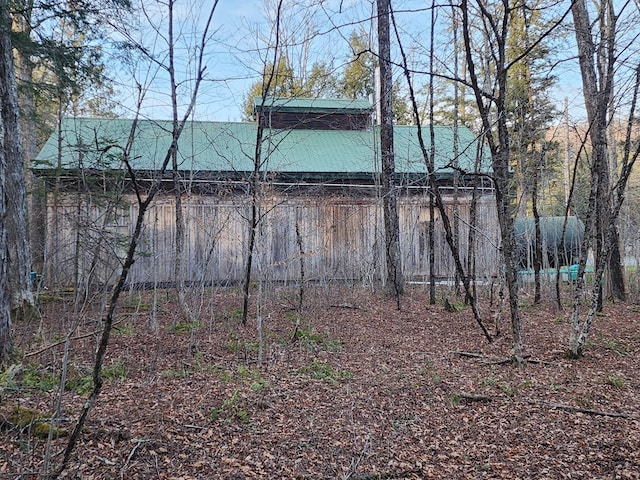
[[235, 55]]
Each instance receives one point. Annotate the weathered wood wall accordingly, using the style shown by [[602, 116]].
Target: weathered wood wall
[[340, 237]]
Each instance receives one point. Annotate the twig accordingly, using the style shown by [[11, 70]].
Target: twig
[[485, 358], [195, 427], [132, 453], [79, 337], [347, 305], [469, 354], [558, 406], [502, 361], [542, 362], [355, 462], [588, 411]]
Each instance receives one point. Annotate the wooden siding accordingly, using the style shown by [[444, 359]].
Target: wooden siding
[[342, 237]]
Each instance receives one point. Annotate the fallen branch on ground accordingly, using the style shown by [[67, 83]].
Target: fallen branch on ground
[[501, 361], [55, 344], [559, 406], [475, 397], [485, 358], [587, 411], [348, 305]]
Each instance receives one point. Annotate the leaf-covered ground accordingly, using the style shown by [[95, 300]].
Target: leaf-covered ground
[[360, 390]]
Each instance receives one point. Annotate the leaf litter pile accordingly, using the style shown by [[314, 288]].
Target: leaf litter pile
[[350, 388]]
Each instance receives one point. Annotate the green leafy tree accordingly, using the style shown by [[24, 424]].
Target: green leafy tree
[[358, 77], [357, 80], [60, 61], [285, 82], [58, 50], [528, 107]]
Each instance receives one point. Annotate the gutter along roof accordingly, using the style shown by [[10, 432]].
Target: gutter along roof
[[225, 147]]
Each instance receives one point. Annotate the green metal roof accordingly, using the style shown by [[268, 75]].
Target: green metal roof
[[229, 147], [312, 105]]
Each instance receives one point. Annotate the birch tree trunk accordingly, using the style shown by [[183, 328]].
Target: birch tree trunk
[[599, 45], [597, 86]]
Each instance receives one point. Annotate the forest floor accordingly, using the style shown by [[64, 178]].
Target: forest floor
[[362, 391]]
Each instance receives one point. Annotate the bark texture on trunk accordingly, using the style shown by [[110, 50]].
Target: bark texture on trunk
[[19, 258], [497, 138], [597, 70], [6, 62], [395, 284], [24, 68]]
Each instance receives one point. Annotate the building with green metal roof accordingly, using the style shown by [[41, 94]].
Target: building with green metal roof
[[215, 147], [319, 165], [224, 147]]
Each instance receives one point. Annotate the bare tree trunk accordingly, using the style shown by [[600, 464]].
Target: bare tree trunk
[[179, 270], [597, 84], [432, 220], [35, 202], [301, 263], [254, 218], [143, 206], [5, 294], [497, 137], [471, 297], [5, 303], [580, 326], [446, 223], [395, 284], [537, 251], [458, 105], [177, 183], [255, 181], [617, 287], [19, 258], [456, 146], [570, 188], [432, 249]]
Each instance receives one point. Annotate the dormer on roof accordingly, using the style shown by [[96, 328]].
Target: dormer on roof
[[313, 113]]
